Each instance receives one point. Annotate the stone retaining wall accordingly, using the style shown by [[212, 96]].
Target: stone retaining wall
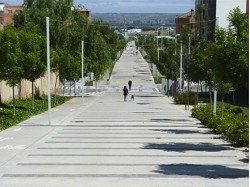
[[24, 89]]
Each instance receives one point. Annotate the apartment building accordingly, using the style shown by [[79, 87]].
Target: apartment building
[[212, 13], [187, 19], [85, 12], [1, 15], [7, 12]]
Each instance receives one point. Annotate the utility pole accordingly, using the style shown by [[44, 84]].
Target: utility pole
[[189, 43], [48, 69], [82, 72], [162, 36], [215, 100], [181, 68]]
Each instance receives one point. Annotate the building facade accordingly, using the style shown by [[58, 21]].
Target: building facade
[[212, 13], [7, 13], [183, 20], [1, 15], [84, 11], [205, 19]]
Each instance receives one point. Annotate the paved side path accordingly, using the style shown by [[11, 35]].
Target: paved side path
[[102, 141]]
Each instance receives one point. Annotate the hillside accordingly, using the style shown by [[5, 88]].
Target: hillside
[[136, 19]]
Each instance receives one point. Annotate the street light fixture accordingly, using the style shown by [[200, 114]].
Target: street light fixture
[[162, 36], [48, 69], [181, 67], [180, 82], [176, 42]]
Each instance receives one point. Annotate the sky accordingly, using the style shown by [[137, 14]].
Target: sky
[[130, 6]]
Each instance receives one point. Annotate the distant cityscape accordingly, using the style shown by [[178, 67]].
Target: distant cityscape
[[136, 19]]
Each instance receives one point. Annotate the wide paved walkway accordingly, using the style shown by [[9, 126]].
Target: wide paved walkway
[[102, 141]]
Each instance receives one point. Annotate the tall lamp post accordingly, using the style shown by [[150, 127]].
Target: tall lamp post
[[181, 67], [175, 53], [162, 36], [176, 42], [48, 69], [187, 69], [82, 71]]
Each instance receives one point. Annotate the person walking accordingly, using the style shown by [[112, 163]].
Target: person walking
[[125, 93], [129, 84]]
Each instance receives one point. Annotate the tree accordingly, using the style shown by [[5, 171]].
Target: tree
[[32, 60], [227, 54], [11, 69], [98, 51], [68, 27], [239, 37]]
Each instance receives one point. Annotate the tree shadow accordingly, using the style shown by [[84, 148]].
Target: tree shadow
[[181, 131], [156, 108], [5, 114], [244, 160], [143, 103], [146, 96], [205, 171], [183, 147], [11, 107], [166, 120]]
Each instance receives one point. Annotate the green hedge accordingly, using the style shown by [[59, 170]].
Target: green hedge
[[158, 79], [233, 125], [24, 109], [89, 83], [182, 98]]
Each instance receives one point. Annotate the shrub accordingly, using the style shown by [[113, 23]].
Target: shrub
[[182, 98], [233, 125], [237, 110], [89, 83]]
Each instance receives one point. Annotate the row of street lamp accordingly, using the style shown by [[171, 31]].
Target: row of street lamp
[[181, 50], [181, 54]]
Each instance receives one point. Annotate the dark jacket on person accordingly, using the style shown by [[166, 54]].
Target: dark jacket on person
[[125, 91]]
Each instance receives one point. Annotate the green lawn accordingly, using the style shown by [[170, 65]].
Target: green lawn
[[24, 109]]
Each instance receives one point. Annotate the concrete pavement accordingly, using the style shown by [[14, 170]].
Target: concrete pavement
[[102, 141]]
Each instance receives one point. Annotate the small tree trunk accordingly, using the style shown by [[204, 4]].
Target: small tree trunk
[[70, 87], [233, 97], [63, 86], [197, 93], [211, 100], [14, 103], [74, 87], [33, 98], [55, 86], [222, 104], [95, 86]]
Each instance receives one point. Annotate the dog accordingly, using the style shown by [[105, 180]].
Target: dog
[[132, 97]]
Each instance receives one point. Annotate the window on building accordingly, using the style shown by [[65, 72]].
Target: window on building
[[10, 11]]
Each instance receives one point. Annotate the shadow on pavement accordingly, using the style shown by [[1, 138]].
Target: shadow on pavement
[[183, 147], [244, 160], [205, 171], [164, 120], [148, 96], [180, 131]]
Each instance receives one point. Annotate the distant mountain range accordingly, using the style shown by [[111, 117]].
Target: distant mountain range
[[136, 19]]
